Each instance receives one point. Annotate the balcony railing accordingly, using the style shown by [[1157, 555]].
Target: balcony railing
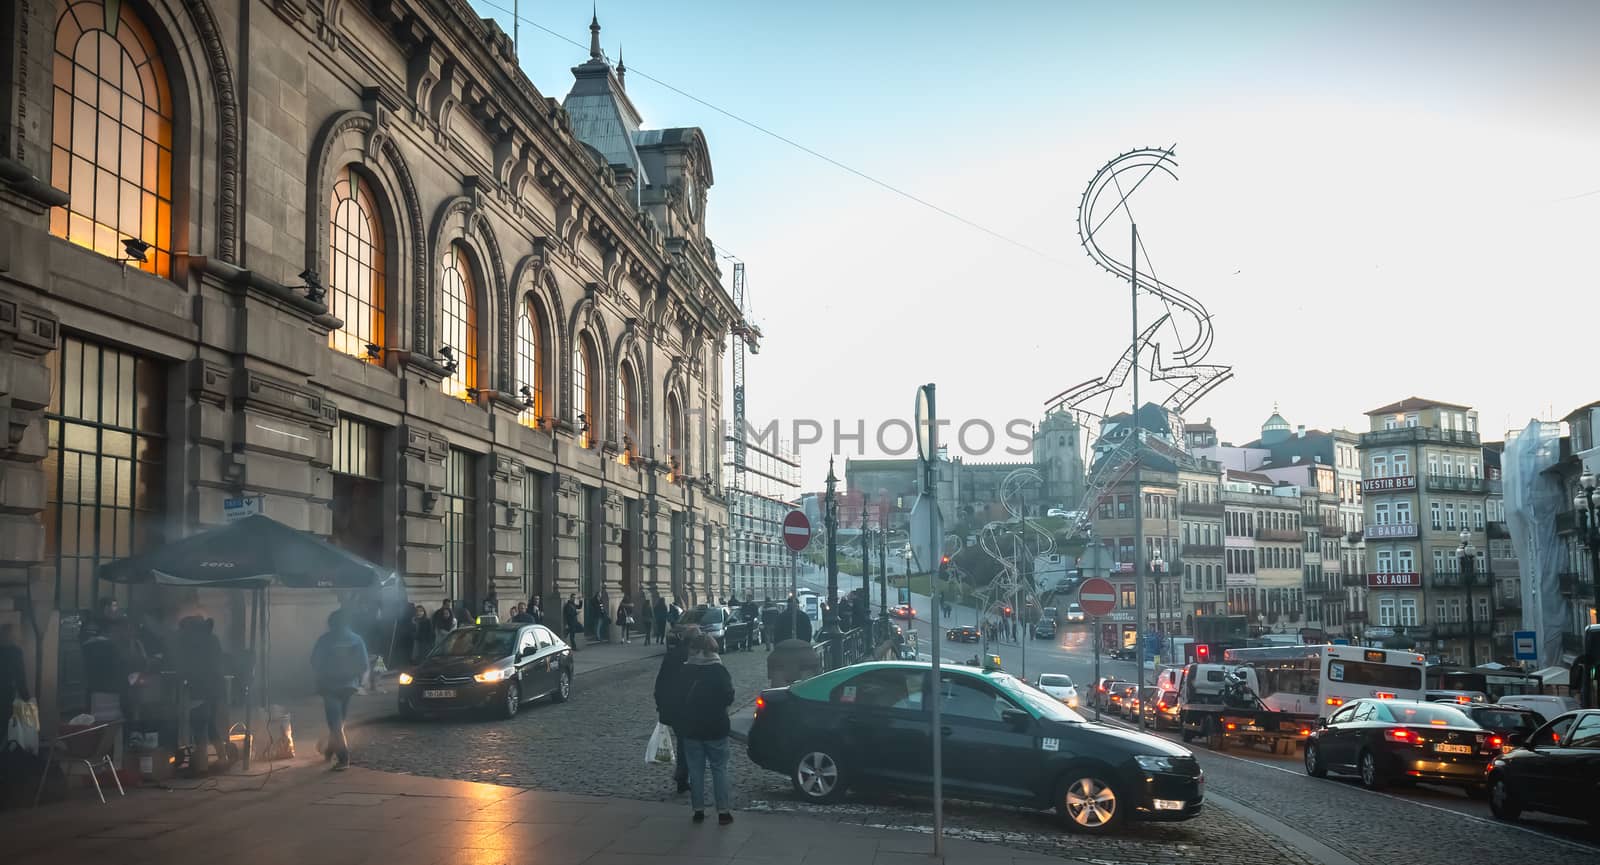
[[1200, 509], [1451, 578], [1198, 550], [1498, 529], [1378, 531], [1355, 615], [1575, 584], [1566, 521], [1407, 435], [1291, 535], [1351, 580], [1448, 630], [1395, 484], [1503, 604], [1457, 484], [1330, 530]]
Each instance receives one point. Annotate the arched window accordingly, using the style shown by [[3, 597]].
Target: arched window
[[112, 141], [458, 320], [585, 390], [628, 405], [530, 363], [675, 435], [355, 286]]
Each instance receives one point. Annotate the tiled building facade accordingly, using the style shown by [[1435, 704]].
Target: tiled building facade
[[346, 257]]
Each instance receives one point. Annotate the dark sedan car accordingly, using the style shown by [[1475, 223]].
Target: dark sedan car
[[867, 726], [1513, 724], [488, 667], [731, 632], [963, 634], [1388, 740], [1045, 630], [1556, 771]]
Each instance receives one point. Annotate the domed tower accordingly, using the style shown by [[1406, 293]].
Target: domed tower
[[1276, 429], [1058, 457]]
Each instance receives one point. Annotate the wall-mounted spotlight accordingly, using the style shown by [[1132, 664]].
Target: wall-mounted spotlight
[[451, 363], [135, 249], [313, 286]]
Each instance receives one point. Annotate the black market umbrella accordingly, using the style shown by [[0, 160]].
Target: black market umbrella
[[252, 553]]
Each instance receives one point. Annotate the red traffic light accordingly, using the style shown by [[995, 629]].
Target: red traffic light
[[944, 560], [1008, 611], [1202, 652]]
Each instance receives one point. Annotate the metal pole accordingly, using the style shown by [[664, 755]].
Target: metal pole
[[936, 544], [1467, 575], [1096, 668], [883, 572], [866, 564], [1138, 480], [830, 623]]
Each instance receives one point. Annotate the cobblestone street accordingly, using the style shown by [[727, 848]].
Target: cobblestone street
[[594, 745]]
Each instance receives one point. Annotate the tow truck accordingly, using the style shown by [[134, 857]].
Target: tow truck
[[1218, 703]]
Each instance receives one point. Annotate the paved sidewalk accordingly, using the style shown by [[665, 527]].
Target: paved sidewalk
[[308, 816]]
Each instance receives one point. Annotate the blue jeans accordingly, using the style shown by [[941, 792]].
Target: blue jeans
[[699, 752], [336, 706]]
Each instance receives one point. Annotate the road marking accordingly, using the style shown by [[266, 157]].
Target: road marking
[[1548, 836]]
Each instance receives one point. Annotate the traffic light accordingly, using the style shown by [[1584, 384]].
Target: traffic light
[[944, 567], [1202, 653], [1008, 612]]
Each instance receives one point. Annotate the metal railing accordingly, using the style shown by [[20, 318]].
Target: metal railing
[[1450, 577], [1456, 484], [855, 646], [1576, 584], [1405, 435], [1200, 509], [1291, 535], [1447, 630]]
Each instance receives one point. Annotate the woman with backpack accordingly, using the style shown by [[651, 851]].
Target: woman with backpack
[[704, 693], [339, 660]]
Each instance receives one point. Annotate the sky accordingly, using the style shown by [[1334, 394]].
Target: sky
[[1374, 199]]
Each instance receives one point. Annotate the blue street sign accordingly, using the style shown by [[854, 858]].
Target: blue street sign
[[1341, 642], [1525, 644]]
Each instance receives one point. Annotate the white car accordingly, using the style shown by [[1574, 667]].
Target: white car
[[1059, 686], [1074, 612]]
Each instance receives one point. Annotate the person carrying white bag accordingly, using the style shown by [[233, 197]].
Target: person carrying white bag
[[19, 715], [659, 749]]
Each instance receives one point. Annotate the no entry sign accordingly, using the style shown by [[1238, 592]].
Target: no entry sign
[[1097, 597], [797, 532]]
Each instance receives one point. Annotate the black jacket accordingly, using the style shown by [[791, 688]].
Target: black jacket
[[666, 681], [794, 625], [705, 691]]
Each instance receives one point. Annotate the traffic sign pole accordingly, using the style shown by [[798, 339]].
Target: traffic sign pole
[[1096, 666]]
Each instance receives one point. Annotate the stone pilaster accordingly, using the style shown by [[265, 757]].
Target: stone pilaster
[[566, 516], [506, 568], [27, 335], [611, 544], [422, 476]]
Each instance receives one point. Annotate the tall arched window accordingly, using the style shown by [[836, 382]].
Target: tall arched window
[[675, 435], [112, 141], [585, 387], [628, 403], [458, 322], [355, 285], [530, 363]]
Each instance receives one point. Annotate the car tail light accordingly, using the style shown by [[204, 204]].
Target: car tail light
[[1400, 734], [1383, 695], [1232, 726], [1496, 741], [761, 703], [1335, 701]]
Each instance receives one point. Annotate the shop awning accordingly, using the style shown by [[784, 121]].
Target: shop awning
[[1554, 676], [254, 552]]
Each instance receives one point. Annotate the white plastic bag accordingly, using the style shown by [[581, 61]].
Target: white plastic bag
[[659, 750], [24, 728]]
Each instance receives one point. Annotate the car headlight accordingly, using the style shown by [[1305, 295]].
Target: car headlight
[[1151, 763], [491, 676], [405, 679]]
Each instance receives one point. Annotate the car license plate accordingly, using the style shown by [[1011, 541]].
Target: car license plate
[[1453, 749], [440, 694], [1252, 728]]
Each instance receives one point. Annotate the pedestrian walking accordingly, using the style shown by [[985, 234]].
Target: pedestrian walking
[[793, 624], [536, 609], [647, 619], [520, 615], [666, 698], [421, 634], [604, 598], [769, 625], [625, 619], [444, 619], [199, 662], [13, 686], [569, 619], [705, 691], [338, 659], [660, 614]]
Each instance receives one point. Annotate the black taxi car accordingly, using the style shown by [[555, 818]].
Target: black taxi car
[[488, 667], [1556, 771], [1004, 741]]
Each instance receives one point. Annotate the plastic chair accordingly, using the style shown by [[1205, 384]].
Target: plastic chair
[[91, 746]]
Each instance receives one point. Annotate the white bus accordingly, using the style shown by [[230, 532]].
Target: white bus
[[1317, 680]]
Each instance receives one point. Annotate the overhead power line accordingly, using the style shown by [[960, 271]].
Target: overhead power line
[[777, 136]]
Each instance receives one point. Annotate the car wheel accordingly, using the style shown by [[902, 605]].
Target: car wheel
[[817, 776], [1086, 802], [1502, 804], [512, 701], [1371, 778], [1314, 765], [563, 688]]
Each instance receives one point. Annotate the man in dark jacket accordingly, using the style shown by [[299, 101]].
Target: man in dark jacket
[[668, 696], [569, 619], [793, 624], [769, 625], [704, 693]]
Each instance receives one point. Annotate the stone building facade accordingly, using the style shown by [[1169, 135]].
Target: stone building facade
[[346, 257]]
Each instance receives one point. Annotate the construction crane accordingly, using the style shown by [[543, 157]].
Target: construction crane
[[745, 334]]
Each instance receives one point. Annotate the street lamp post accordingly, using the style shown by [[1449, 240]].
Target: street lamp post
[[866, 563], [830, 623], [1588, 506], [1158, 566], [1466, 559]]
